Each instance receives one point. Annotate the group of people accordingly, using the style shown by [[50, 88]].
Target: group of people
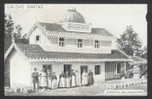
[[48, 80]]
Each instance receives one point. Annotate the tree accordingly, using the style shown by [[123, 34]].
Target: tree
[[18, 32], [18, 35], [9, 28], [129, 42], [9, 24], [12, 30], [144, 53]]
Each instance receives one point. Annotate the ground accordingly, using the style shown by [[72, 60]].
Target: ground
[[94, 90]]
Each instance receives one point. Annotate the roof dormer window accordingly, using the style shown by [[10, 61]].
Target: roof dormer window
[[61, 41], [97, 44], [80, 43], [37, 37]]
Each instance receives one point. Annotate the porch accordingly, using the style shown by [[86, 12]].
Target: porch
[[115, 70]]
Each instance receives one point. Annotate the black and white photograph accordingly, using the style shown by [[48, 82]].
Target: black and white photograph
[[75, 50]]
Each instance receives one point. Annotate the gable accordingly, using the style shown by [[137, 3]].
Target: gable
[[12, 50], [42, 38]]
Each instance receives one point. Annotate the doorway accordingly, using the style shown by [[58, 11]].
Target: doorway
[[67, 68], [83, 68]]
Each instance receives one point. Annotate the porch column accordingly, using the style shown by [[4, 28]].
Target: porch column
[[103, 72], [125, 68]]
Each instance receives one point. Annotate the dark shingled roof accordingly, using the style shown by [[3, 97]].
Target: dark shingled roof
[[101, 31], [35, 51], [53, 27], [72, 15], [59, 28]]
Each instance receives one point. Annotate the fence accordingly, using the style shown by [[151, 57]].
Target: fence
[[124, 83]]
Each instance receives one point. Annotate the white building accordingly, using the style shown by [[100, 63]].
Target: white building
[[72, 44]]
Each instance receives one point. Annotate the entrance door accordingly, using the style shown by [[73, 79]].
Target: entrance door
[[67, 68], [84, 68]]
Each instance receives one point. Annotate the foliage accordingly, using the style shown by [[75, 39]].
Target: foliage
[[144, 53], [9, 24], [129, 42], [12, 30], [17, 32], [9, 28]]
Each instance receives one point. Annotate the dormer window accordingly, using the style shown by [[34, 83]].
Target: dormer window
[[37, 37], [80, 43], [61, 41], [97, 44]]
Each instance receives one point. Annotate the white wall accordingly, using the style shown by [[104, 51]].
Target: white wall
[[20, 74], [43, 40]]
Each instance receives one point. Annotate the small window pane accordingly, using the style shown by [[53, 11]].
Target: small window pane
[[61, 42], [97, 69], [37, 38], [80, 43], [96, 45]]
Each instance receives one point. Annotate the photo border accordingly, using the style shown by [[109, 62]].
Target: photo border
[[149, 41]]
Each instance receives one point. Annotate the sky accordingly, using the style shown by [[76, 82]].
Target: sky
[[113, 17]]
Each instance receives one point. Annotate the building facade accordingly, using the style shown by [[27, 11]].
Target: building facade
[[60, 47]]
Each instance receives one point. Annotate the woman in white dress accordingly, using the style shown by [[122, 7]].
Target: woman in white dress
[[67, 79], [61, 80], [84, 78], [54, 81], [73, 79], [49, 79], [43, 79], [77, 78]]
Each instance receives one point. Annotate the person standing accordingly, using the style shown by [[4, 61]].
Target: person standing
[[67, 79], [49, 78], [54, 81], [90, 78], [84, 78], [73, 79], [61, 83], [77, 78], [43, 79], [35, 77]]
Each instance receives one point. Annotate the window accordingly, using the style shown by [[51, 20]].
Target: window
[[118, 67], [97, 45], [97, 69], [79, 43], [61, 42], [37, 38]]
